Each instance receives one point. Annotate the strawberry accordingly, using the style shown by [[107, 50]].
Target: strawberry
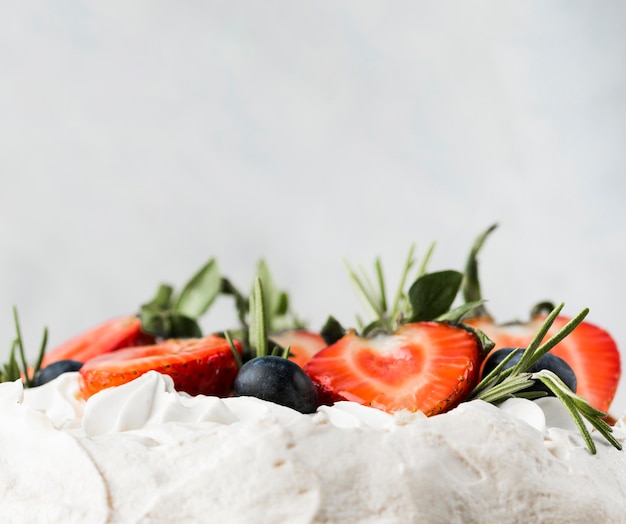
[[198, 366], [589, 350], [303, 344], [166, 315], [425, 366], [111, 335], [404, 359]]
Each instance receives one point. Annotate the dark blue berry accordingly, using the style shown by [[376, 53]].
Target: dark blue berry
[[277, 380], [549, 361], [498, 356], [559, 367], [49, 373]]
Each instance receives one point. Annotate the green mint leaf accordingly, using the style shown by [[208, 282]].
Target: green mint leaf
[[155, 321], [282, 304], [184, 327], [432, 294], [241, 302], [163, 297], [332, 331], [200, 292]]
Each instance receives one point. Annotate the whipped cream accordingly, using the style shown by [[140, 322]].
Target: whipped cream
[[143, 452]]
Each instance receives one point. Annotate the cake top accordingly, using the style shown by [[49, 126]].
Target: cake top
[[420, 353], [144, 452]]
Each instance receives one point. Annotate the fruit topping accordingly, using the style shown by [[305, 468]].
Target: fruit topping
[[281, 327], [271, 377], [277, 380], [403, 359], [590, 351], [549, 361], [506, 381], [197, 366], [427, 366], [302, 344], [109, 336], [49, 373]]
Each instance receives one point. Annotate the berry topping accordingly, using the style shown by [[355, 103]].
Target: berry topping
[[277, 380], [49, 373], [302, 344], [403, 359], [589, 350], [197, 366], [427, 366], [109, 336], [549, 361]]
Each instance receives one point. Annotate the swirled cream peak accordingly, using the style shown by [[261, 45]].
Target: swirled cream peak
[[147, 401]]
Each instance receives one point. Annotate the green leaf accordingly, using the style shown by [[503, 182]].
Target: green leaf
[[231, 344], [241, 302], [200, 292], [432, 294], [282, 304], [163, 297], [155, 321], [400, 297], [258, 320], [459, 313], [332, 331], [184, 327], [13, 369], [275, 302], [471, 283]]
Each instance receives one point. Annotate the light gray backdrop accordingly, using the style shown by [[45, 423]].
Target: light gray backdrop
[[138, 139]]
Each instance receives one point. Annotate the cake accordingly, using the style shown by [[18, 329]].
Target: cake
[[142, 452], [410, 420]]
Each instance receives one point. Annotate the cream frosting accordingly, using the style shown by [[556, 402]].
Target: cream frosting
[[143, 452]]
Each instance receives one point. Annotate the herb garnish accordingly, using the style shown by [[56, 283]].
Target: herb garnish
[[502, 383], [13, 369]]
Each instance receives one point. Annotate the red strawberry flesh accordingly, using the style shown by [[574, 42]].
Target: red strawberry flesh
[[302, 344], [110, 336], [427, 366], [197, 366], [589, 350]]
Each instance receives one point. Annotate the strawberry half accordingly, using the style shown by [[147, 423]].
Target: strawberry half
[[303, 344], [426, 366], [589, 350], [197, 366], [118, 333]]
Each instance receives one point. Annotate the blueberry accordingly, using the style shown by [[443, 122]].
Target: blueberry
[[277, 380], [498, 356], [49, 373], [559, 367], [549, 361]]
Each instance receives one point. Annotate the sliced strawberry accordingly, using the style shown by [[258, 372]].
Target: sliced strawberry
[[303, 344], [427, 366], [589, 350], [112, 335], [197, 366]]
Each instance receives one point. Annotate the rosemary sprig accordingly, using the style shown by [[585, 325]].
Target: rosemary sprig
[[429, 297], [502, 383], [15, 369]]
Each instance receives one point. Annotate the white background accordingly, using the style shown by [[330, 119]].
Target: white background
[[138, 139]]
